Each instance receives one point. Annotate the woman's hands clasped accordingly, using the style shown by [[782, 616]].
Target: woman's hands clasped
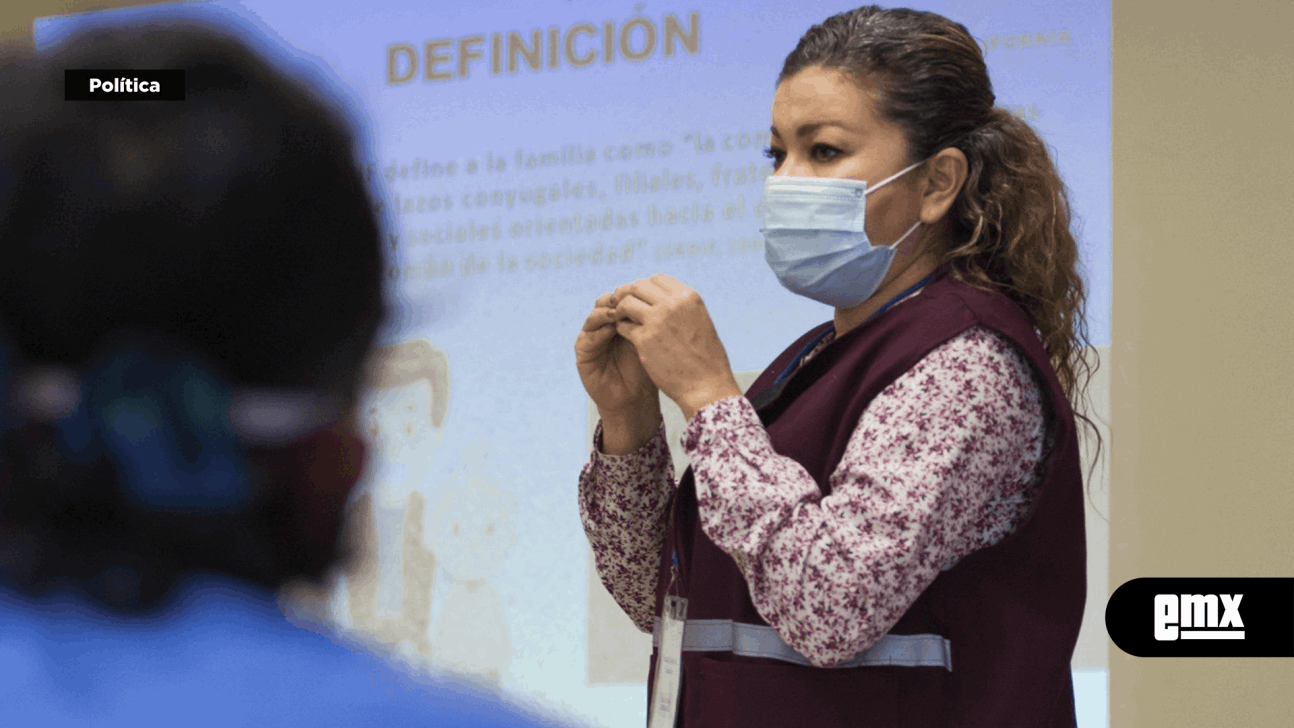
[[609, 366], [627, 400], [673, 342]]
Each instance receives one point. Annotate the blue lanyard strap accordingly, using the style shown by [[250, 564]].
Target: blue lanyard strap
[[818, 340], [803, 353]]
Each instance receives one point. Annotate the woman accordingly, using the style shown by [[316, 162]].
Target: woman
[[890, 529], [190, 291]]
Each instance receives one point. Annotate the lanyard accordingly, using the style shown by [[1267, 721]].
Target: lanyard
[[812, 344], [673, 552]]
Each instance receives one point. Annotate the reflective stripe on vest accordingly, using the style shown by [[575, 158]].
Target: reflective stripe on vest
[[757, 640]]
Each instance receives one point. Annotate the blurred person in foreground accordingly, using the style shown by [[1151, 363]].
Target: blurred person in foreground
[[189, 292]]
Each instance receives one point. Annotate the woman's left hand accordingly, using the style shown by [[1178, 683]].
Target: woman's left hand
[[676, 342]]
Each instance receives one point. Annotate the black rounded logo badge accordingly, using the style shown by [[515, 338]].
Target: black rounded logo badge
[[1203, 617]]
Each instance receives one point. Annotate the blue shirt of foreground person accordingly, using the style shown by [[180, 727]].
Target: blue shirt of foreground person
[[189, 292], [218, 653]]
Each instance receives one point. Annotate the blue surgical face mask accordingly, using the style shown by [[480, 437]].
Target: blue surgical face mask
[[815, 241]]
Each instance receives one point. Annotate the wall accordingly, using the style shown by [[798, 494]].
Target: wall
[[1200, 392]]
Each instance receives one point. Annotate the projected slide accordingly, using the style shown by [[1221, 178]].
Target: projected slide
[[530, 156]]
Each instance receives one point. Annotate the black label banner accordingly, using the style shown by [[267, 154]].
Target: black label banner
[[123, 85], [1203, 617]]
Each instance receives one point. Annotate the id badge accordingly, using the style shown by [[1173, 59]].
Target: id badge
[[669, 664]]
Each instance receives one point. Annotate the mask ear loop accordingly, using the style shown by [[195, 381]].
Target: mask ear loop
[[278, 417], [895, 176], [259, 416], [904, 236], [887, 180]]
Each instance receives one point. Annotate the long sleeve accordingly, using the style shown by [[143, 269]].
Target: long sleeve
[[940, 464], [624, 505]]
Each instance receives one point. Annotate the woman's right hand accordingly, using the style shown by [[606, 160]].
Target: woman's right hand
[[612, 374], [609, 366]]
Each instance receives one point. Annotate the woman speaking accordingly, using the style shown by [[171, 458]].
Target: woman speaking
[[887, 529]]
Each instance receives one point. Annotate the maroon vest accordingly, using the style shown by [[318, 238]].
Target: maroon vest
[[1011, 612]]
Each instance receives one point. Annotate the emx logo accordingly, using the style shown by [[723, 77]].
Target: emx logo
[[1203, 617], [1198, 610]]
